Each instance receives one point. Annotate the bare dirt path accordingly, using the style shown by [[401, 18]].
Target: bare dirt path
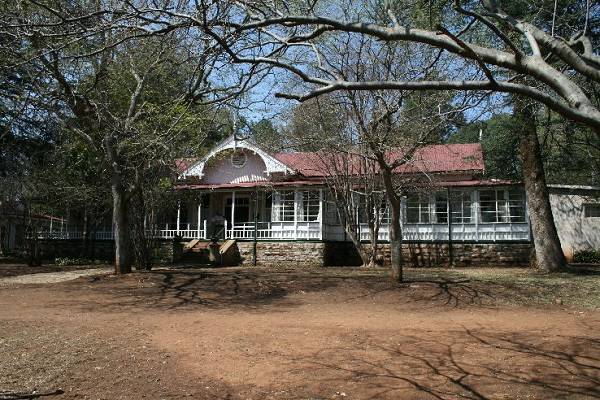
[[52, 277], [279, 334]]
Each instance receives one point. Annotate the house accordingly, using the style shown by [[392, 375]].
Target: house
[[14, 217], [278, 209], [576, 211], [281, 201]]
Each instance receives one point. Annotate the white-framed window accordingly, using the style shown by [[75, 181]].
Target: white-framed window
[[502, 205], [461, 207], [591, 210], [417, 209], [283, 206], [441, 208], [309, 210], [516, 205]]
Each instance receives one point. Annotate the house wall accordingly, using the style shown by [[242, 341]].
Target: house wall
[[576, 232]]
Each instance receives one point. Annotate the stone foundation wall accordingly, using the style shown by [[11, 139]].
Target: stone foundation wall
[[292, 253], [438, 254], [317, 253]]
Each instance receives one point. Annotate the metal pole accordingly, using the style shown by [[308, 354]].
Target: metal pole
[[232, 212], [199, 219], [255, 194], [449, 210]]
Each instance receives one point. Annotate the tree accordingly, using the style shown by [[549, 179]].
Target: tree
[[128, 97], [500, 145]]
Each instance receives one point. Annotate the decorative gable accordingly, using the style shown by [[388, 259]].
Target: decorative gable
[[241, 153]]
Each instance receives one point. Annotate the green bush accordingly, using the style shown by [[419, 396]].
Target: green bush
[[587, 256]]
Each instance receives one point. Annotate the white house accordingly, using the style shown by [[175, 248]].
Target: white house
[[242, 192]]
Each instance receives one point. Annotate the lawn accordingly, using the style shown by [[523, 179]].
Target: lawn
[[304, 333]]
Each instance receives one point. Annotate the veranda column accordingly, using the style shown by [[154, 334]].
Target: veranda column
[[320, 214], [178, 215], [296, 211], [199, 219], [477, 213], [232, 212]]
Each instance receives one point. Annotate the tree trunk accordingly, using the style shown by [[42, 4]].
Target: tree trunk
[[396, 258], [396, 241], [548, 252], [120, 227]]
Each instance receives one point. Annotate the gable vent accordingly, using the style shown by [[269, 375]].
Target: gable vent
[[238, 159]]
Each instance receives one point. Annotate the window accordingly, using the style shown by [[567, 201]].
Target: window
[[502, 206], [441, 208], [591, 210], [283, 209], [310, 205], [268, 205], [516, 205], [417, 209], [461, 207], [492, 205]]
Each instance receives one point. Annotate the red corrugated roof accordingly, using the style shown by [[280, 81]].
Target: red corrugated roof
[[434, 158]]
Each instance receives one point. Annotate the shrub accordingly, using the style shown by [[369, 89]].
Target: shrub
[[587, 256]]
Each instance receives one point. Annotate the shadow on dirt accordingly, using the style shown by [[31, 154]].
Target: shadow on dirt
[[523, 366], [256, 289]]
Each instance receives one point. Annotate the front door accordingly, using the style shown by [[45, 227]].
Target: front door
[[241, 211]]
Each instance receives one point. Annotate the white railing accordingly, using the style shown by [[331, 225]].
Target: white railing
[[276, 231], [488, 232], [101, 235]]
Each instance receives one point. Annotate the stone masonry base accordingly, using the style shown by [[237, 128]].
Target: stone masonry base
[[300, 253], [415, 254]]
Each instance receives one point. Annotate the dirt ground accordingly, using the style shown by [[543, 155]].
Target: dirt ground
[[328, 333]]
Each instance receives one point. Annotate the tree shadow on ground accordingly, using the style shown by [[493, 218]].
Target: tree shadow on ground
[[251, 289], [465, 364]]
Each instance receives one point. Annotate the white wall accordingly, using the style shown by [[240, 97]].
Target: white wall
[[576, 232]]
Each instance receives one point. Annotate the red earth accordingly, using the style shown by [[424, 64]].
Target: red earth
[[328, 333]]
